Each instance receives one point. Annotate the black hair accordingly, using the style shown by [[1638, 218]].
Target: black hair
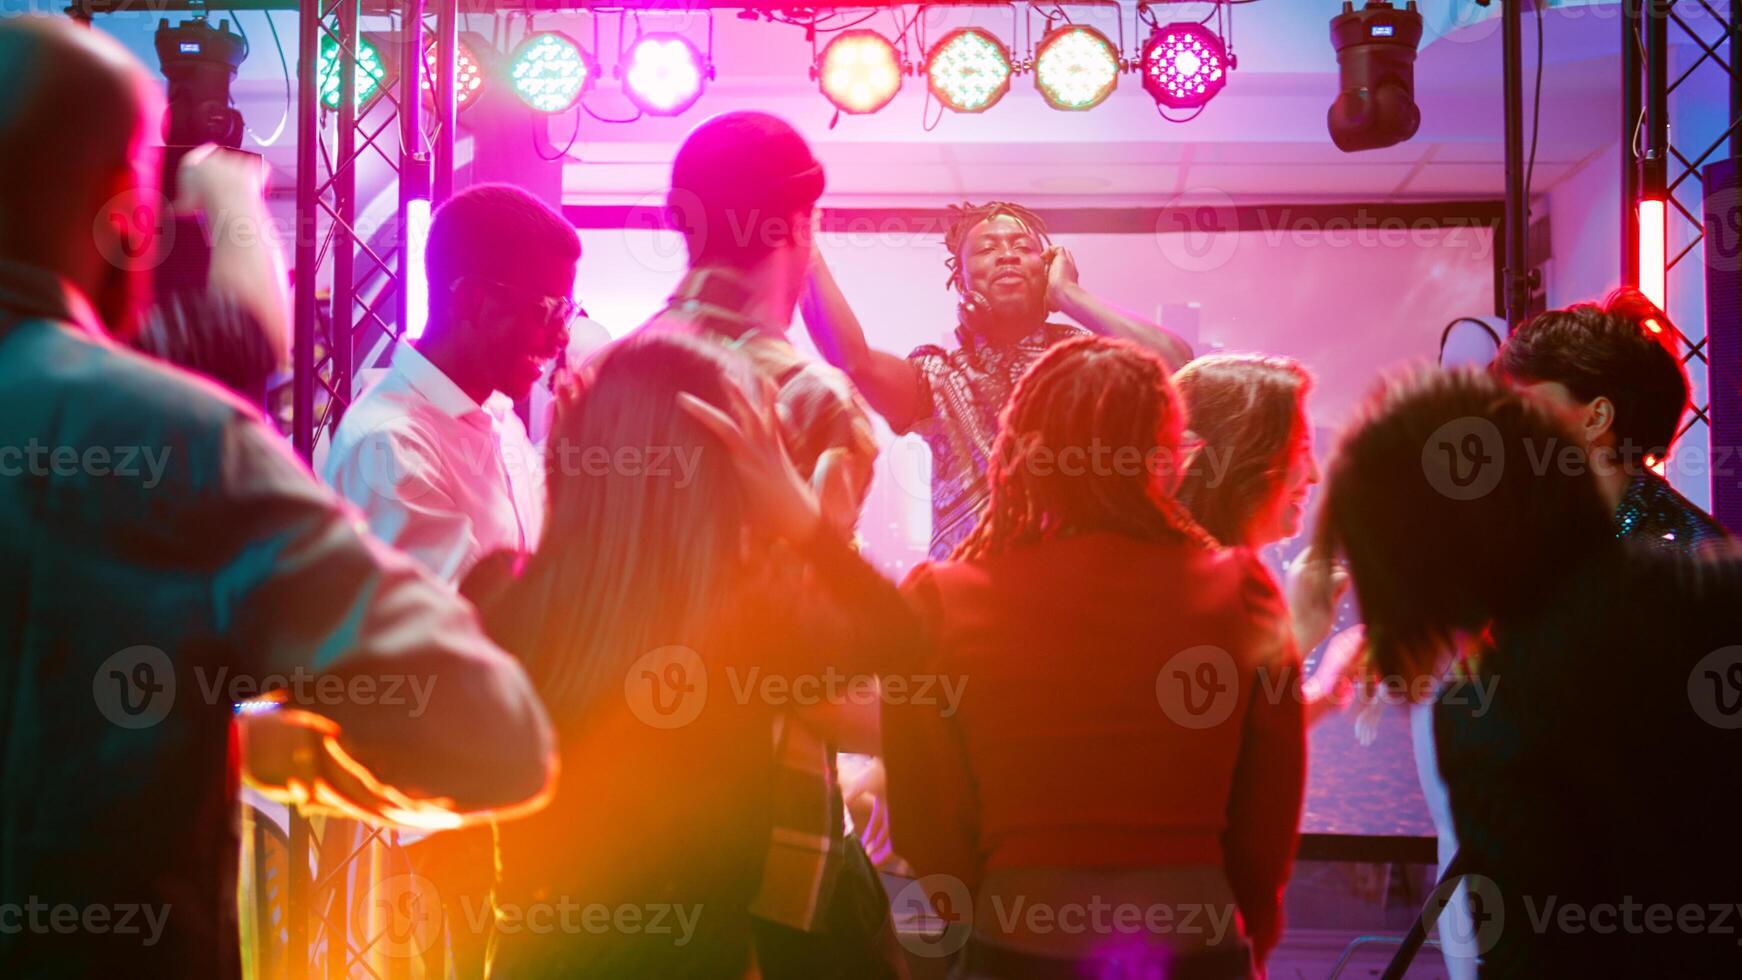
[[1607, 352], [1447, 526], [489, 230]]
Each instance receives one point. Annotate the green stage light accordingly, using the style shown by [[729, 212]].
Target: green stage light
[[968, 70], [371, 72]]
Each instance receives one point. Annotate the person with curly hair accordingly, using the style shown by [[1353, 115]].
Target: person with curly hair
[[1587, 731]]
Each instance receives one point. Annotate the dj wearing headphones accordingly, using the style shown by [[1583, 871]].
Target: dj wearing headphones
[[1009, 277]]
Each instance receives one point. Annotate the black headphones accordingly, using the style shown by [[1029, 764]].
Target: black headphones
[[1446, 334], [971, 314]]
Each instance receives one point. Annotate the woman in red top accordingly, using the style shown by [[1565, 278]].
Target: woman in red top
[[1119, 781]]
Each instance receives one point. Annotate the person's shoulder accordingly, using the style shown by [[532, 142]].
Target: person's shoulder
[[926, 355], [385, 412], [121, 389], [212, 336]]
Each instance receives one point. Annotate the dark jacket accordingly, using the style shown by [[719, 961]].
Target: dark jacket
[[162, 555], [1601, 779]]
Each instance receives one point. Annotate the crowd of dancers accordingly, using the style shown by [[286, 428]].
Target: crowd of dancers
[[640, 651]]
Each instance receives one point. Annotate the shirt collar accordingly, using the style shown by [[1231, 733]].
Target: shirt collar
[[38, 293], [431, 383], [720, 299], [1041, 338]]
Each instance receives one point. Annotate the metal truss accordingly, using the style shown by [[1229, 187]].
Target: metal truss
[[361, 272], [348, 301], [1660, 163]]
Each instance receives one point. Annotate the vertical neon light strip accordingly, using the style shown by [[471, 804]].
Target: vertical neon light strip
[[416, 282], [1653, 249]]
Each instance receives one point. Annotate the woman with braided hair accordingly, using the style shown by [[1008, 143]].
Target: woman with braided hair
[[1129, 752]]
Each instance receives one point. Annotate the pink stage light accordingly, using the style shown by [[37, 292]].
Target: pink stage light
[[1184, 65], [665, 75], [417, 216], [1653, 247]]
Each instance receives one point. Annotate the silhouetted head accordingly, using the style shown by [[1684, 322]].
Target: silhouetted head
[[1437, 500], [79, 177], [744, 188]]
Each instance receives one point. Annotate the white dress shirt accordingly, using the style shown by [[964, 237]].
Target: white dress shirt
[[442, 478]]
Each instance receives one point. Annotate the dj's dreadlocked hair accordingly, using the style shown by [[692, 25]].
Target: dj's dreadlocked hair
[[1107, 401], [965, 217]]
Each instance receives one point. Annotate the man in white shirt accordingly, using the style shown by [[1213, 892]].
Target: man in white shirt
[[433, 453], [435, 457]]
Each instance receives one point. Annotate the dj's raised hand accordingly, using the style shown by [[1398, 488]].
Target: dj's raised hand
[[775, 494], [1061, 275]]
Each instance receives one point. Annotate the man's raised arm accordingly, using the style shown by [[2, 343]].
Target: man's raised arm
[[889, 383]]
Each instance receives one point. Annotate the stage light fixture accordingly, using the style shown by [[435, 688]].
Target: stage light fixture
[[859, 71], [665, 75], [468, 74], [1076, 67], [371, 72], [550, 72], [1184, 65], [1376, 66], [199, 62], [968, 70]]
